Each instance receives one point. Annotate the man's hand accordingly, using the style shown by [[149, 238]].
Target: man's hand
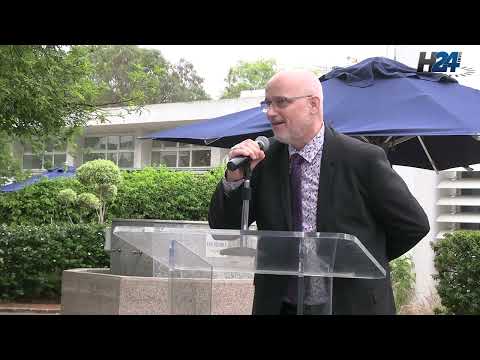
[[248, 148]]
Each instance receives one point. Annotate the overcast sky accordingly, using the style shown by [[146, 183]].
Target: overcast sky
[[212, 62]]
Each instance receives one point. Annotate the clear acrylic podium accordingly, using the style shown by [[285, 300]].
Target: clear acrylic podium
[[189, 257]]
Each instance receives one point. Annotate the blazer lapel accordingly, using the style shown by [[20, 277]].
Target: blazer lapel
[[327, 171]]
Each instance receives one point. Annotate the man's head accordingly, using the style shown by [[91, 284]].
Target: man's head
[[294, 106]]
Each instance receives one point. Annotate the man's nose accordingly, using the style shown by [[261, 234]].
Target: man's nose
[[271, 111]]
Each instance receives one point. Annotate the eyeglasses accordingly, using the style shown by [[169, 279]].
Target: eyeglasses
[[280, 102]]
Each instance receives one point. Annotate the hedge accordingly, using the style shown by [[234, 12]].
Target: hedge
[[165, 194], [38, 204], [32, 258], [457, 260], [150, 193]]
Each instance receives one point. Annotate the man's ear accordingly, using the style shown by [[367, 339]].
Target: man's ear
[[314, 104]]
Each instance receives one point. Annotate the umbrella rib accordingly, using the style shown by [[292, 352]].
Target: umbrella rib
[[428, 154], [209, 141], [401, 140]]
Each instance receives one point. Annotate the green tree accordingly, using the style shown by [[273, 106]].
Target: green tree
[[248, 76], [45, 88], [101, 177], [67, 198], [129, 73]]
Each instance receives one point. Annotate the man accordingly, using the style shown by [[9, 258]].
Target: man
[[346, 186]]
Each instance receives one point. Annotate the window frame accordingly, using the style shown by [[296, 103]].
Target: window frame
[[42, 155], [177, 149], [107, 151]]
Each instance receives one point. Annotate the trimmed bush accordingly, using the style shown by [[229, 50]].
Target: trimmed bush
[[40, 204], [159, 193], [101, 177], [457, 260], [151, 193], [32, 258]]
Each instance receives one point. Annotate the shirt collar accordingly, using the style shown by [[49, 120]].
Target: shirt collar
[[310, 150]]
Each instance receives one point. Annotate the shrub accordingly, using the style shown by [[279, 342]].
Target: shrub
[[32, 258], [89, 200], [101, 177], [403, 280], [151, 193], [159, 193], [68, 198], [38, 204], [457, 258]]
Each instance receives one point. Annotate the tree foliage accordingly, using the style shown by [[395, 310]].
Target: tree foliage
[[457, 262], [44, 89], [127, 73], [248, 76], [102, 177]]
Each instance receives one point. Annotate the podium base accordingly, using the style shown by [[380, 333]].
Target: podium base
[[239, 251]]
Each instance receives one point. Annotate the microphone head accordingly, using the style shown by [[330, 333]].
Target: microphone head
[[263, 142]]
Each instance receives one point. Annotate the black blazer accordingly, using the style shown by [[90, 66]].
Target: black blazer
[[359, 193]]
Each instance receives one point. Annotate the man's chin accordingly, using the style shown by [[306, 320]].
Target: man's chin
[[281, 139]]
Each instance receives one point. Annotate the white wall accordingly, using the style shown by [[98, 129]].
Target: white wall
[[422, 184]]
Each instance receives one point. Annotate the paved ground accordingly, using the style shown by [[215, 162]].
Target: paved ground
[[26, 313], [29, 309]]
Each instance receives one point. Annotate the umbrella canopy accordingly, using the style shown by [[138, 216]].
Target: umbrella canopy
[[49, 174], [224, 131], [383, 97], [424, 120]]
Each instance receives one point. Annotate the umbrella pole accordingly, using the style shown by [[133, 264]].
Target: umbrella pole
[[428, 154]]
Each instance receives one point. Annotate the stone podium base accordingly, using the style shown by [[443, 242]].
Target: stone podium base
[[98, 292]]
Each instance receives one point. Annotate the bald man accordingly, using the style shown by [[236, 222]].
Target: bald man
[[315, 179]]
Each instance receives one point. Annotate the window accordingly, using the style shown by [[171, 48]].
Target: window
[[179, 155], [470, 175], [468, 226], [50, 157], [119, 149]]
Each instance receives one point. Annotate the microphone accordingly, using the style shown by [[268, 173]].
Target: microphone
[[236, 162]]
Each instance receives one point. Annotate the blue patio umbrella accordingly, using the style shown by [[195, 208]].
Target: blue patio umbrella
[[224, 131], [425, 120], [49, 174]]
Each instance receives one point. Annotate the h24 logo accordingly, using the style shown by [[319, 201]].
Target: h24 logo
[[439, 61]]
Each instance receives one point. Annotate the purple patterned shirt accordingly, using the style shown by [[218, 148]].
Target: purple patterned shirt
[[315, 287], [312, 153]]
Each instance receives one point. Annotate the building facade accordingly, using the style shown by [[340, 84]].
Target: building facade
[[119, 139]]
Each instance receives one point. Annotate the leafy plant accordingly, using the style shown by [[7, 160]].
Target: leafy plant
[[102, 177], [67, 197], [32, 258], [457, 258], [403, 280], [151, 193]]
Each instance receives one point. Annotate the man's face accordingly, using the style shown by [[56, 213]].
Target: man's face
[[289, 114]]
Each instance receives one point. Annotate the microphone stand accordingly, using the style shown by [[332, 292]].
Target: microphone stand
[[246, 196], [243, 249]]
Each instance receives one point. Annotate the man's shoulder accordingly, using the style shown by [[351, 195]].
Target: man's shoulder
[[353, 145]]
